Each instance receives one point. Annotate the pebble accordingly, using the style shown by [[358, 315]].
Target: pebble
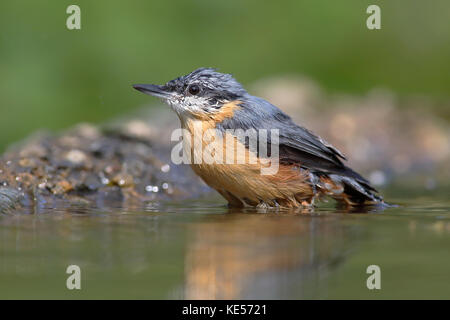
[[123, 180], [28, 162], [76, 156], [33, 150], [139, 129], [62, 187]]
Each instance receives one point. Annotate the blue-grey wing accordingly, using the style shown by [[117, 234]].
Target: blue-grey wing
[[297, 145]]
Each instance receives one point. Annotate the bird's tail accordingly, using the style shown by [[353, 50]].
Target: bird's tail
[[353, 191]]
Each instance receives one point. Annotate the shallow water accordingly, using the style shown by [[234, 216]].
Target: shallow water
[[202, 250]]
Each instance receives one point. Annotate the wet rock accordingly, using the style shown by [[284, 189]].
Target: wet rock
[[90, 166], [9, 199]]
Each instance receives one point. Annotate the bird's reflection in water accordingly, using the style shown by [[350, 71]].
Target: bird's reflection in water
[[265, 256]]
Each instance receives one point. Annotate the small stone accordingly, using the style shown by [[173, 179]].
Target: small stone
[[109, 169], [87, 131], [165, 168], [27, 163], [33, 150], [138, 129], [76, 157], [123, 180], [70, 141], [62, 187]]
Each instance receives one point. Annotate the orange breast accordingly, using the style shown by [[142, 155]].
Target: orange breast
[[241, 181]]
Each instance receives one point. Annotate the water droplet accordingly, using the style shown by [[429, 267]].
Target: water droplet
[[103, 179], [165, 168], [151, 188]]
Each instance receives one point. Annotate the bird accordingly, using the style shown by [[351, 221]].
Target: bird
[[309, 168]]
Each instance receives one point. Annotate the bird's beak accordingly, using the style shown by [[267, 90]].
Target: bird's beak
[[153, 90]]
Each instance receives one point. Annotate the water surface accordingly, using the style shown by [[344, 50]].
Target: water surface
[[200, 249]]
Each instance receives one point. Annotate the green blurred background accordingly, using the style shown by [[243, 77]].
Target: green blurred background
[[52, 77]]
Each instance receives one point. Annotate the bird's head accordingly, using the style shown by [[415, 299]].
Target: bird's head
[[201, 93]]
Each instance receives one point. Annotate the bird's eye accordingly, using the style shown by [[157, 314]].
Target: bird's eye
[[194, 89]]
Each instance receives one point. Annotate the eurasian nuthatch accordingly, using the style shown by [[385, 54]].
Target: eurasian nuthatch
[[309, 167]]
